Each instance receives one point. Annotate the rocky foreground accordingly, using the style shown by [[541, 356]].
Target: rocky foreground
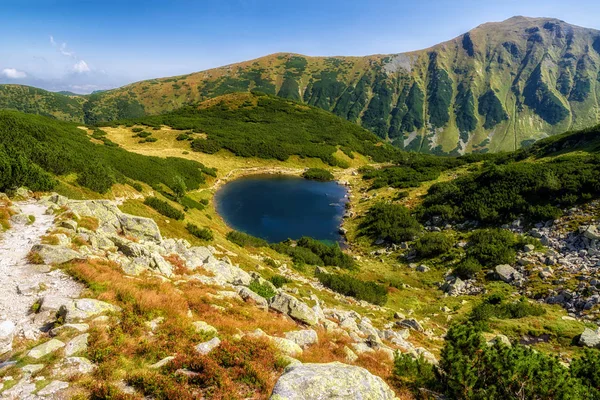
[[40, 303]]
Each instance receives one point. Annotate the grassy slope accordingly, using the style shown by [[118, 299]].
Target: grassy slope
[[375, 90]]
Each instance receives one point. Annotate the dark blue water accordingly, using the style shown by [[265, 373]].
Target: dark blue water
[[276, 208]]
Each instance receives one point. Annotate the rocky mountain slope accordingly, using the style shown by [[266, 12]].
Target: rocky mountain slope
[[497, 87]]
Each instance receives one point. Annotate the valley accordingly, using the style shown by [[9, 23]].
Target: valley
[[421, 225]]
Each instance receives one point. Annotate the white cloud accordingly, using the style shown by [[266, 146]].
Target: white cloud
[[81, 67], [62, 49], [13, 73]]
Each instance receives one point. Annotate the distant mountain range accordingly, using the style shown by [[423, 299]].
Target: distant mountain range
[[498, 87]]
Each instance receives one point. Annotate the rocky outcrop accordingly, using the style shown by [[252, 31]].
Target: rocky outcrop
[[287, 304], [45, 348], [330, 381], [508, 274], [55, 254], [303, 338]]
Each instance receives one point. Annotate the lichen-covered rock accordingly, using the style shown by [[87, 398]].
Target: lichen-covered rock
[[507, 274], [53, 388], [303, 338], [411, 323], [249, 296], [55, 254], [7, 331], [140, 227], [162, 362], [224, 272], [45, 348], [207, 347], [589, 338], [73, 366], [203, 327], [293, 307], [330, 381], [81, 309], [76, 345]]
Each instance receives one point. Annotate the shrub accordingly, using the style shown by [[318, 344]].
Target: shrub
[[270, 262], [164, 208], [188, 202], [300, 255], [137, 186], [182, 136], [433, 244], [492, 246], [262, 289], [390, 222], [413, 373], [467, 268], [349, 286], [244, 240], [331, 255], [200, 233], [279, 280], [496, 307], [318, 174], [143, 135]]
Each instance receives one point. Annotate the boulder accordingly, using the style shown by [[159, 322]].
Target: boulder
[[251, 297], [45, 348], [53, 388], [303, 338], [73, 366], [285, 346], [140, 227], [203, 327], [330, 381], [225, 273], [7, 332], [55, 254], [592, 232], [507, 274], [590, 338], [207, 347], [81, 309], [454, 286], [293, 307], [76, 345], [411, 323]]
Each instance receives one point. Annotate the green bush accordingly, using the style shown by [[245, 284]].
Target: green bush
[[270, 262], [492, 247], [244, 240], [300, 255], [164, 208], [279, 280], [331, 255], [137, 130], [433, 244], [262, 289], [413, 373], [200, 233], [470, 369], [390, 222], [350, 286], [318, 174], [496, 307], [467, 268], [188, 202]]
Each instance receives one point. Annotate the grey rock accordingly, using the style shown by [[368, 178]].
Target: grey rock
[[303, 338], [589, 338], [203, 327], [293, 307], [507, 274], [207, 347], [411, 323], [78, 344], [45, 348], [162, 362], [73, 366], [330, 381], [55, 254], [7, 332], [53, 388], [140, 227], [81, 309], [249, 296]]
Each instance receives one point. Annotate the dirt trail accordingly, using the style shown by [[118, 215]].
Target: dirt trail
[[22, 283]]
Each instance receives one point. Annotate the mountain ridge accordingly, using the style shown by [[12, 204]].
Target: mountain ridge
[[500, 86]]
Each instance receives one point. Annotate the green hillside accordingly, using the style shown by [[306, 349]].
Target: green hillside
[[269, 127], [35, 149], [496, 88]]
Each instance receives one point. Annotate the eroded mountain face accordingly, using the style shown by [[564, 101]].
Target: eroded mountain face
[[497, 87]]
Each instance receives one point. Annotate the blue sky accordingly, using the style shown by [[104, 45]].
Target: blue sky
[[87, 45]]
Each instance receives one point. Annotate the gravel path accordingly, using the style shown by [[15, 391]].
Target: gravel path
[[22, 283]]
